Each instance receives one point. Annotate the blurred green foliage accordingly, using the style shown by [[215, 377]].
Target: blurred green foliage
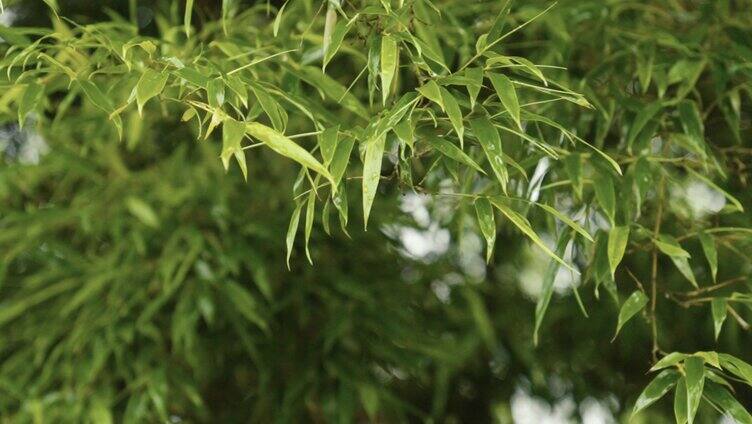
[[142, 281]]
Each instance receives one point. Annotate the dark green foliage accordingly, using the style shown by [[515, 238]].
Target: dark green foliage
[[599, 149]]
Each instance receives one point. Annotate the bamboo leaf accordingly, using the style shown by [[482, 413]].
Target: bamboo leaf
[[547, 288], [634, 304], [388, 62], [372, 173], [292, 230], [719, 311], [722, 398], [508, 96], [286, 147], [694, 368], [454, 113], [485, 214], [489, 139], [605, 193], [656, 389], [523, 225], [149, 85], [453, 152], [711, 254], [617, 245]]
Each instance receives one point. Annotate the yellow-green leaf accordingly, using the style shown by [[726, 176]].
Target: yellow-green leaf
[[485, 213], [508, 95], [388, 61], [288, 148], [149, 85], [489, 139], [523, 225], [617, 245], [372, 173], [454, 112]]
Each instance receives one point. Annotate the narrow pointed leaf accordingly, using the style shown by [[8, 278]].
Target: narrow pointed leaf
[[617, 245], [286, 147], [292, 230], [372, 173], [451, 151], [489, 139], [508, 95], [149, 85], [454, 112], [388, 61], [310, 216], [567, 220], [485, 213], [656, 389], [634, 304], [725, 400], [694, 368], [711, 254], [719, 310], [523, 225], [547, 288], [680, 401]]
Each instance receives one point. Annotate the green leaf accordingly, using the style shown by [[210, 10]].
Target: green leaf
[[719, 311], [737, 204], [508, 95], [450, 150], [736, 366], [547, 288], [149, 85], [498, 24], [340, 30], [292, 229], [617, 245], [573, 167], [669, 246], [143, 211], [725, 400], [604, 192], [656, 389], [691, 121], [215, 92], [388, 60], [680, 401], [481, 317], [310, 215], [286, 147], [711, 254], [187, 17], [278, 19], [485, 213], [31, 96], [371, 173], [476, 75], [489, 139], [328, 143], [341, 158], [232, 136], [634, 304], [694, 368], [643, 117], [523, 225], [432, 92], [565, 219], [454, 112], [270, 106], [669, 360], [244, 303], [682, 264]]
